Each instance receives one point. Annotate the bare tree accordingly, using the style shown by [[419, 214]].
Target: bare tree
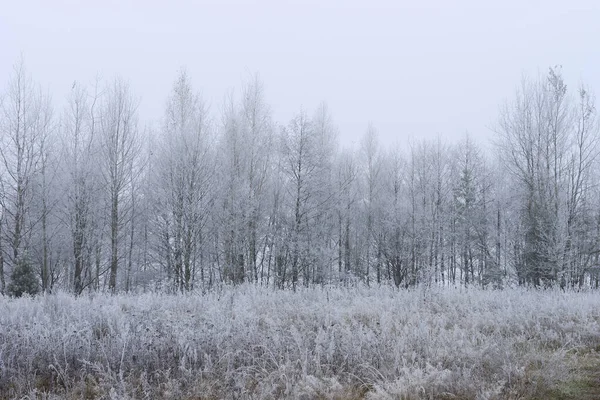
[[81, 180], [120, 144], [25, 121], [371, 171], [185, 176], [306, 151], [581, 163], [398, 220], [546, 143], [470, 222], [321, 222], [246, 154], [257, 130], [233, 163], [299, 150], [347, 199], [47, 244]]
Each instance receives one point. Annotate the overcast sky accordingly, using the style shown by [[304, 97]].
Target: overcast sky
[[417, 68]]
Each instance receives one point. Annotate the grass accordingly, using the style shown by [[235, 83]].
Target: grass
[[321, 343], [583, 382]]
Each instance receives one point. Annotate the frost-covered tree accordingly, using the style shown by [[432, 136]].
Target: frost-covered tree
[[120, 149], [371, 171], [246, 155], [23, 279], [547, 144], [347, 210], [233, 216], [471, 219], [47, 244], [81, 184], [184, 180], [322, 225], [398, 239], [257, 125], [25, 122], [306, 160]]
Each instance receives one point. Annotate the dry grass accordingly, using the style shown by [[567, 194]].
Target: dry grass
[[326, 343]]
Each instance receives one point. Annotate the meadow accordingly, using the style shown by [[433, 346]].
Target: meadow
[[248, 342]]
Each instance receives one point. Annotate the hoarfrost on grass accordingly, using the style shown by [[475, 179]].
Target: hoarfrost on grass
[[255, 342]]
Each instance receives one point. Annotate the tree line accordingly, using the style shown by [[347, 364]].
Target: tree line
[[92, 199]]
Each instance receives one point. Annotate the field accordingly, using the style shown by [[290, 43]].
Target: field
[[347, 343]]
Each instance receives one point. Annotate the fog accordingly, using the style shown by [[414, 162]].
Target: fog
[[415, 69]]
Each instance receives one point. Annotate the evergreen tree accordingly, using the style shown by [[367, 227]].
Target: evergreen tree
[[23, 280]]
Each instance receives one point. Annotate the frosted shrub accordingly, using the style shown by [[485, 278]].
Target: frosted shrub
[[251, 342]]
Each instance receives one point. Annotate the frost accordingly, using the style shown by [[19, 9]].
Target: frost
[[263, 344]]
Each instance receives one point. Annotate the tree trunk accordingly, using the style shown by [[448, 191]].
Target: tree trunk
[[45, 272], [114, 232], [2, 279]]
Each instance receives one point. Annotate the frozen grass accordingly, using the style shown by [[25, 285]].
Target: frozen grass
[[250, 342]]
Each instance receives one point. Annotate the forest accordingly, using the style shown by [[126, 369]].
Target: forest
[[94, 199], [222, 254]]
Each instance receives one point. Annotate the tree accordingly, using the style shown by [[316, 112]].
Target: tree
[[346, 199], [246, 148], [371, 176], [25, 121], [120, 147], [581, 236], [81, 181], [301, 165], [307, 146], [46, 242], [398, 220], [257, 128], [470, 221], [185, 177], [2, 214], [23, 280], [321, 220], [233, 202], [546, 144]]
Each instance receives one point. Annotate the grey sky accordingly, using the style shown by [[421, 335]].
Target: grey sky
[[415, 69]]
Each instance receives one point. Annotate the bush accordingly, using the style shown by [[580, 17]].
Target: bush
[[23, 280]]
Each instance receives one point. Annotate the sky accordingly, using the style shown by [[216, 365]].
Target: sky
[[414, 69]]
